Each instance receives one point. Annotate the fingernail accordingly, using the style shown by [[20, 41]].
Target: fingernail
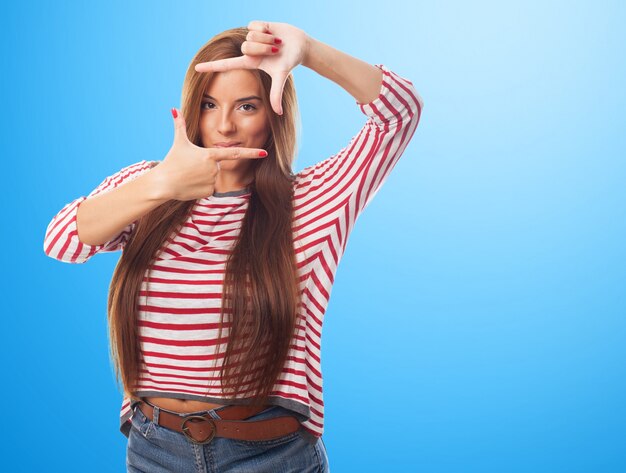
[[174, 113], [262, 153], [274, 49], [278, 40]]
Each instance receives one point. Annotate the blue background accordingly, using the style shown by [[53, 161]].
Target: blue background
[[477, 322]]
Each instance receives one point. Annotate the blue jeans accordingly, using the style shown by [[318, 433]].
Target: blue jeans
[[153, 448]]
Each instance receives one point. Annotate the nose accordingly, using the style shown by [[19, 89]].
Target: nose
[[225, 125]]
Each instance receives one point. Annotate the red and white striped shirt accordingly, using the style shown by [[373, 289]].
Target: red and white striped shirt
[[179, 309]]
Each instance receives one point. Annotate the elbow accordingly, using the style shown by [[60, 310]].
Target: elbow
[[417, 103], [56, 250], [66, 255], [49, 241], [413, 104], [421, 107], [420, 103], [64, 246]]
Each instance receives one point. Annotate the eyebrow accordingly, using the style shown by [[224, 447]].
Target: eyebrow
[[243, 99]]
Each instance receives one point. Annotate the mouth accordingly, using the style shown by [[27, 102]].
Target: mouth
[[226, 145]]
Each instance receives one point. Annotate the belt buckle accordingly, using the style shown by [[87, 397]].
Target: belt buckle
[[196, 419]]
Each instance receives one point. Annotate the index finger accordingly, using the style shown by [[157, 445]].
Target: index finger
[[259, 25], [220, 65], [235, 152]]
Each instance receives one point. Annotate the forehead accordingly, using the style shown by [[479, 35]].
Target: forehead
[[232, 84]]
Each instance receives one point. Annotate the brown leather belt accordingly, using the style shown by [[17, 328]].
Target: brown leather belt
[[202, 429]]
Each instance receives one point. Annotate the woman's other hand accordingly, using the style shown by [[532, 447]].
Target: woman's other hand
[[290, 48], [189, 172]]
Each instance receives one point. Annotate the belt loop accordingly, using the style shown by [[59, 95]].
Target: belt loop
[[155, 414]]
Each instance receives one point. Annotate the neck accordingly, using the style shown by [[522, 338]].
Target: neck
[[228, 181]]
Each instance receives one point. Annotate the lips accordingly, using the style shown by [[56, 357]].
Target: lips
[[227, 145]]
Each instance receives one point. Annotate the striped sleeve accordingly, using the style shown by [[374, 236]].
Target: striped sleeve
[[61, 239], [347, 181]]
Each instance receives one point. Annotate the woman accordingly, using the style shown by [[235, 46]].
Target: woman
[[217, 302]]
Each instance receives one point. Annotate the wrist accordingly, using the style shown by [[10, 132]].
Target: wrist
[[156, 184], [308, 48]]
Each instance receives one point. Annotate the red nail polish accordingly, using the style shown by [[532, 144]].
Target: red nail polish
[[174, 113], [274, 49], [262, 153], [278, 40]]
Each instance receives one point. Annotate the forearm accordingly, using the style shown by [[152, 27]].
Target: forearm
[[103, 216], [360, 79]]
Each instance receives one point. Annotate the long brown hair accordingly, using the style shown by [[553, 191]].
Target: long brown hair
[[260, 297]]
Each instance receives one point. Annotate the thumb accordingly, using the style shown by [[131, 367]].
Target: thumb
[[276, 91], [180, 128]]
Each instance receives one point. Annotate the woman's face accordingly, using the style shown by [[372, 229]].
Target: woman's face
[[225, 117]]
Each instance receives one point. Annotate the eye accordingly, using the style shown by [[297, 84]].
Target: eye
[[206, 102], [249, 105]]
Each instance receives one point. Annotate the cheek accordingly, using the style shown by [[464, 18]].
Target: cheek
[[204, 128], [252, 124], [258, 128]]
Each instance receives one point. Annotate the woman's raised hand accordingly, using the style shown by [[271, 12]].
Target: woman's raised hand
[[257, 54], [189, 172]]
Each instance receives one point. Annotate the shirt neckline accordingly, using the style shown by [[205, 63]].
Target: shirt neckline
[[238, 192]]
